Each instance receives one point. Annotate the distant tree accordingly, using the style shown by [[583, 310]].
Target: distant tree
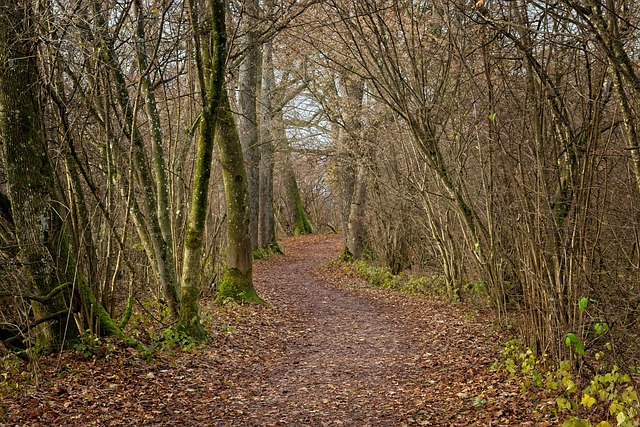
[[248, 117], [266, 218]]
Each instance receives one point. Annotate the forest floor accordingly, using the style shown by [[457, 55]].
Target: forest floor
[[327, 351]]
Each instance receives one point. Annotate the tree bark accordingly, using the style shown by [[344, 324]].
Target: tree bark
[[157, 150], [248, 117], [237, 283], [217, 125], [156, 247], [30, 179], [354, 185], [210, 69], [266, 218], [356, 225]]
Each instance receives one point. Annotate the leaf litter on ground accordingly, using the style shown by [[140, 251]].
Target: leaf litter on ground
[[327, 351]]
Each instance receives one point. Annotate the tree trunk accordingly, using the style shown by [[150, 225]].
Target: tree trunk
[[210, 71], [346, 182], [299, 218], [237, 283], [353, 176], [30, 178], [356, 225], [248, 117], [156, 247], [158, 160], [266, 217], [301, 224], [217, 124]]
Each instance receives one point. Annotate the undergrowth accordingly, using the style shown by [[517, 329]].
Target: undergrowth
[[380, 277], [604, 399]]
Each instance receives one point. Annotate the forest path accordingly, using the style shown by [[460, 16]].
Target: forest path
[[327, 351], [348, 355]]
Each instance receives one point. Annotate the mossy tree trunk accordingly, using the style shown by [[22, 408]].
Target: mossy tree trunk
[[248, 117], [150, 220], [29, 172], [216, 125], [237, 283], [210, 68], [301, 224], [158, 158], [50, 268], [299, 218]]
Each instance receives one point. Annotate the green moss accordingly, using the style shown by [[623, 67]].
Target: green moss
[[275, 248], [127, 313], [266, 253], [190, 323], [238, 286], [302, 222], [193, 239], [260, 253], [346, 255]]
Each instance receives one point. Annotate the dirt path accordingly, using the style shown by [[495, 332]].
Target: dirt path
[[359, 357], [326, 352]]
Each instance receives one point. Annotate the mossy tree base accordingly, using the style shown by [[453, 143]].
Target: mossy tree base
[[194, 331], [302, 226], [266, 253], [275, 248], [238, 287], [346, 255], [190, 323]]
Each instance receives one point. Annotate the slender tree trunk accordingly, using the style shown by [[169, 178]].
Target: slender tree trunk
[[266, 217], [301, 224], [356, 226], [157, 149], [605, 21], [248, 117], [157, 249], [300, 220], [210, 69]]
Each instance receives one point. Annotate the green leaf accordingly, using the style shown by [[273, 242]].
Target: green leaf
[[588, 401], [616, 408], [570, 385], [563, 403], [576, 422], [572, 339], [601, 328], [582, 305], [492, 117]]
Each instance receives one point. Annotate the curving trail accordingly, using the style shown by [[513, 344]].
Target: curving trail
[[359, 357], [328, 351]]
